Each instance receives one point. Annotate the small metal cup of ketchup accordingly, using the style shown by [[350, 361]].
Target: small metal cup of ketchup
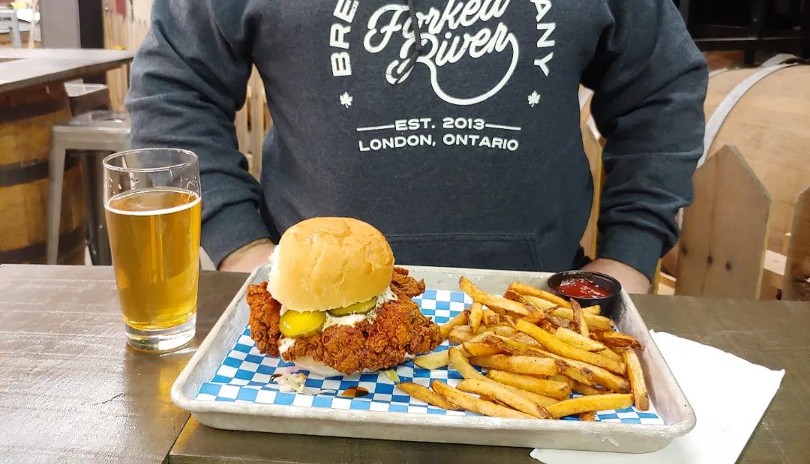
[[587, 288]]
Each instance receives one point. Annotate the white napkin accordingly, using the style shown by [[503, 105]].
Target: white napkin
[[723, 425]]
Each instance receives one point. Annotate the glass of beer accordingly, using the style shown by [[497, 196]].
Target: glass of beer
[[152, 202]]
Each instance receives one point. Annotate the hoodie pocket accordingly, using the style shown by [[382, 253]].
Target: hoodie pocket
[[510, 251]]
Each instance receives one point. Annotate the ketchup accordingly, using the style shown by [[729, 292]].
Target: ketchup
[[580, 287]]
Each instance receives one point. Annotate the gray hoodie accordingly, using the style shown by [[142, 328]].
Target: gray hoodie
[[465, 151]]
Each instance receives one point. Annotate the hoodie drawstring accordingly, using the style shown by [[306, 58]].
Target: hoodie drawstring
[[417, 48]]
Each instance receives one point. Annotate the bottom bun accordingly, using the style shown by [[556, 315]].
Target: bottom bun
[[318, 368]]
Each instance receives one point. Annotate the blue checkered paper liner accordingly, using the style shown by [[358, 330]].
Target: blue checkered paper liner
[[247, 376]]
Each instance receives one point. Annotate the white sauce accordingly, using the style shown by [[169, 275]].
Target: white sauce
[[285, 344], [387, 295], [350, 320]]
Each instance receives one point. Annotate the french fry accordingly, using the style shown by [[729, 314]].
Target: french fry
[[592, 375], [561, 348], [460, 319], [564, 379], [585, 343], [589, 416], [638, 386], [579, 375], [480, 349], [554, 389], [577, 340], [479, 337], [590, 403], [492, 389], [608, 353], [491, 301], [512, 295], [586, 389], [462, 365], [542, 304], [505, 331], [529, 365], [602, 377], [558, 322], [534, 317], [490, 317], [536, 313], [595, 310], [481, 329], [528, 290], [476, 313], [477, 405], [594, 322], [548, 325], [507, 321], [523, 338], [536, 349], [434, 360], [531, 305], [579, 318], [620, 340], [425, 394], [547, 308], [515, 347], [460, 334], [577, 370], [542, 316], [540, 400]]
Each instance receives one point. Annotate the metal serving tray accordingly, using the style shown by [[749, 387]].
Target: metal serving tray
[[665, 393]]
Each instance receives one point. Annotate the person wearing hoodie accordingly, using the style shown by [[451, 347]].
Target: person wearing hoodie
[[450, 125]]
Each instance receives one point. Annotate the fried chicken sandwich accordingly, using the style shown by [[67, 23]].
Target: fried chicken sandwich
[[334, 303]]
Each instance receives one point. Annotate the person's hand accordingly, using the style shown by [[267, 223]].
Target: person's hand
[[632, 280], [249, 257]]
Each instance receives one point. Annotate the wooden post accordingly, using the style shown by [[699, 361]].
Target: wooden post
[[257, 104], [241, 124], [124, 29], [725, 230], [797, 269], [593, 150]]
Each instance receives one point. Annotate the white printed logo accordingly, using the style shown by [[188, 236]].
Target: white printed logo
[[442, 42]]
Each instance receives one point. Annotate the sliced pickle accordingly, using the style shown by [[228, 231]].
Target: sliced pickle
[[357, 308], [294, 324]]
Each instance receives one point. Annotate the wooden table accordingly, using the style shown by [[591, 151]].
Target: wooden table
[[76, 393], [21, 68], [70, 389]]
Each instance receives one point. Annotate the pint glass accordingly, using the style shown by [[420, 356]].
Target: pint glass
[[152, 202]]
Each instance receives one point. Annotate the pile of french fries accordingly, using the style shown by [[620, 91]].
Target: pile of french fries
[[535, 349]]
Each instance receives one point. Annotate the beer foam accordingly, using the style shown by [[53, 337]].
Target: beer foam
[[153, 212]]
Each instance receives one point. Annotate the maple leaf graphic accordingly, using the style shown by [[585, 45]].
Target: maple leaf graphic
[[346, 99], [534, 98]]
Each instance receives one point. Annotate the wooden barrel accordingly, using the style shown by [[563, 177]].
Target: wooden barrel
[[770, 125], [26, 118], [768, 120]]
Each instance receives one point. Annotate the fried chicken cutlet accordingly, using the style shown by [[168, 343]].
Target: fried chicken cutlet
[[384, 340]]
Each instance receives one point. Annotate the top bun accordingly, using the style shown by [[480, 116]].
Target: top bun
[[330, 262]]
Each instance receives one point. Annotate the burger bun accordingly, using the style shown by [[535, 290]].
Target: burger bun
[[325, 263]]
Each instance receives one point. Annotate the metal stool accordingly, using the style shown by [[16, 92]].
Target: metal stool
[[95, 133], [9, 21]]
